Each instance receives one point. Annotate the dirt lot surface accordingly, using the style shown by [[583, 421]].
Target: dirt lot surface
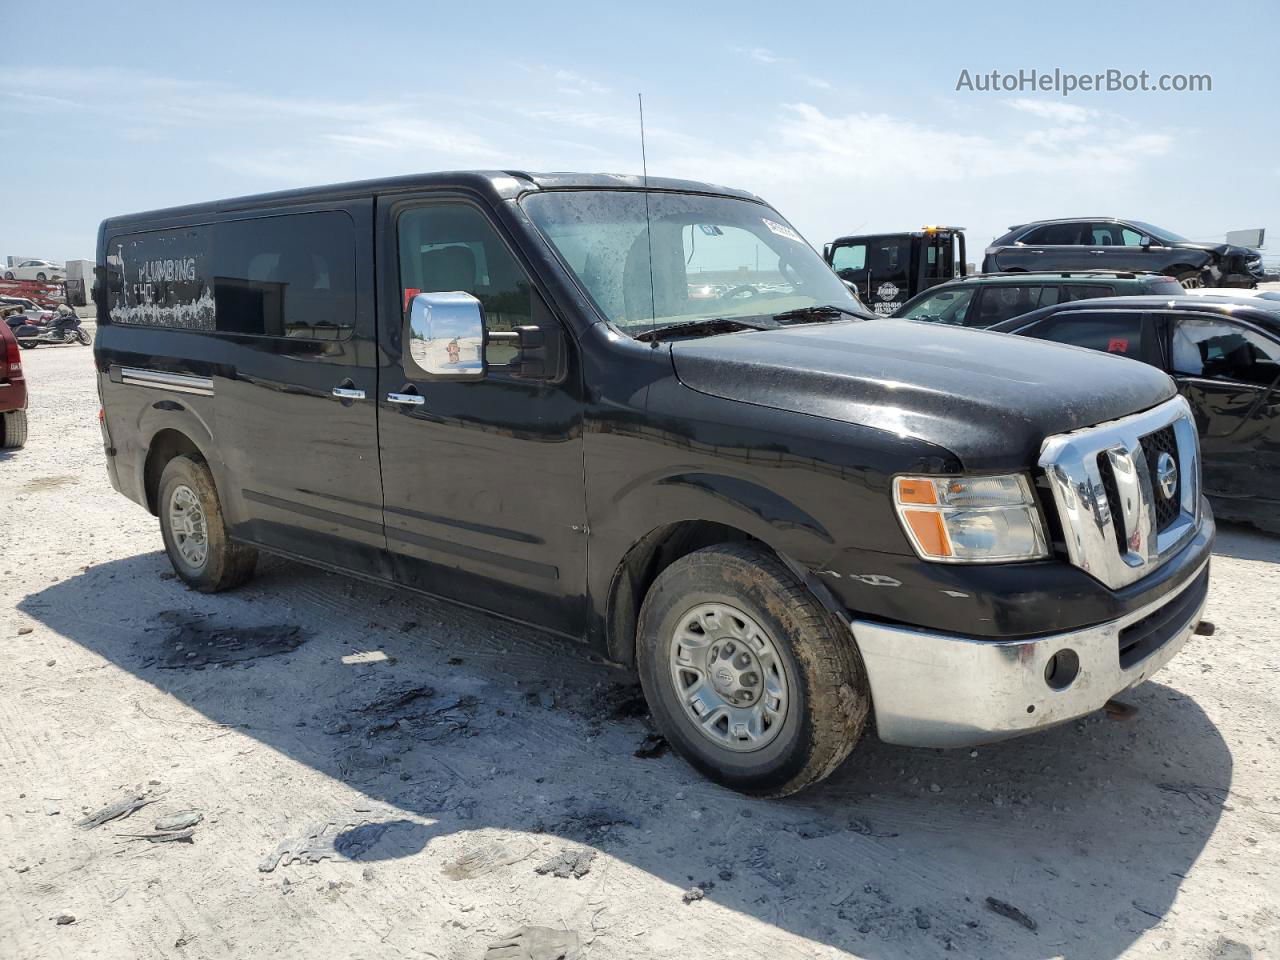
[[332, 769]]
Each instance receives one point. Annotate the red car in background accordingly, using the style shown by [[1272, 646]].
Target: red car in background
[[13, 392]]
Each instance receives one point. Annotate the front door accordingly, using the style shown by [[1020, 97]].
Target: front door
[[484, 493], [1228, 373]]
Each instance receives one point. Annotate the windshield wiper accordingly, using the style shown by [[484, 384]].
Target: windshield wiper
[[820, 312], [708, 326]]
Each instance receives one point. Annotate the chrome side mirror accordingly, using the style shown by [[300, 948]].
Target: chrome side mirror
[[446, 335]]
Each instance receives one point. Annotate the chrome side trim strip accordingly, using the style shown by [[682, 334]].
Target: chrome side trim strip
[[159, 380]]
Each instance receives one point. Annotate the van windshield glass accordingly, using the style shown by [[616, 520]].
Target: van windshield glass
[[712, 258]]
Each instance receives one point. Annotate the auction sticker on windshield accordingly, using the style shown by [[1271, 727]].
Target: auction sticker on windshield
[[782, 230]]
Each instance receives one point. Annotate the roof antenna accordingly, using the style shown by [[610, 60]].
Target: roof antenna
[[648, 229]]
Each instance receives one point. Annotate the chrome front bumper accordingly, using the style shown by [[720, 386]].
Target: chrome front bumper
[[940, 690]]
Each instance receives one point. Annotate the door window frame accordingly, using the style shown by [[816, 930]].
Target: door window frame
[[390, 207], [1151, 352], [1170, 317]]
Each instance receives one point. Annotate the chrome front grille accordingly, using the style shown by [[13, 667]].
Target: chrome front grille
[[1110, 491]]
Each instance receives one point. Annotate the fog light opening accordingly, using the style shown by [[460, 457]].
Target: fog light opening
[[1062, 669]]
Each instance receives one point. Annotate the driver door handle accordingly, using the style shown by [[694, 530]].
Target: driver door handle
[[348, 393], [410, 399]]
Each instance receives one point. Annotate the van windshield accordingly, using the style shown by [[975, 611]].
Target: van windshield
[[713, 258]]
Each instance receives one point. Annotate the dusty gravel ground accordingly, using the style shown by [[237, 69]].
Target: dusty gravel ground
[[438, 757]]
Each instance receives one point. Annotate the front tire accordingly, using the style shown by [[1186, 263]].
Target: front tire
[[1190, 279], [8, 274], [13, 429], [82, 335], [747, 675], [194, 531], [41, 277]]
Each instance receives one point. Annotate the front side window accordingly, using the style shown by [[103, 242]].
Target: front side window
[[452, 247], [1120, 333], [942, 306], [849, 259], [1223, 350], [712, 257]]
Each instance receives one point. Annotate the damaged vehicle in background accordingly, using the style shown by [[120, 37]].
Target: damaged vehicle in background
[[496, 388], [1224, 355], [1106, 243]]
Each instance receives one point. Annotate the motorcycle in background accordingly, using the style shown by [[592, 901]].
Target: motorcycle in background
[[62, 329]]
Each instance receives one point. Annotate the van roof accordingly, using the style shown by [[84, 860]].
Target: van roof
[[499, 184]]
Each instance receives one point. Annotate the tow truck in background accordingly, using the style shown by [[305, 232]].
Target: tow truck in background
[[887, 269]]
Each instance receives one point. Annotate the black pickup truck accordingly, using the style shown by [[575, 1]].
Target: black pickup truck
[[647, 414]]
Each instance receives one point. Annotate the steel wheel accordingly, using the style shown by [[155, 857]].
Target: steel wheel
[[186, 520], [729, 677]]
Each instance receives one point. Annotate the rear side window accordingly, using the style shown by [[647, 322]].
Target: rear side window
[[288, 276], [1163, 287], [1002, 301], [1087, 291], [1053, 234], [1120, 333]]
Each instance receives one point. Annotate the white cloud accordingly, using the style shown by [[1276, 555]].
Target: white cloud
[[760, 54], [817, 82], [1052, 110]]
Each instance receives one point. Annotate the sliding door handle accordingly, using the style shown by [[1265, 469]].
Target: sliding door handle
[[409, 399]]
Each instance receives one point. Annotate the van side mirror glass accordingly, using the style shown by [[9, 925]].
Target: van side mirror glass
[[446, 335]]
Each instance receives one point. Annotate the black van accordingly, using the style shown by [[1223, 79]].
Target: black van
[[648, 415]]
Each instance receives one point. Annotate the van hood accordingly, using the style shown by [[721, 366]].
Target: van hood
[[989, 398]]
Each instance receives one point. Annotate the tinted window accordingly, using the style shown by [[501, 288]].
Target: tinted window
[[452, 247], [1163, 287], [1223, 350], [853, 257], [942, 306], [1002, 301], [1053, 234], [1109, 332], [291, 276], [1087, 291]]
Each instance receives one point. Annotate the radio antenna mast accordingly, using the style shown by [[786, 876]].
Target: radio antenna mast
[[648, 228]]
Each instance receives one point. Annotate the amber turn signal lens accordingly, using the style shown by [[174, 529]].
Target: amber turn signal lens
[[930, 531], [915, 490]]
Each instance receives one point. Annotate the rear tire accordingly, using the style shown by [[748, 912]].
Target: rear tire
[[13, 429], [195, 532], [747, 675]]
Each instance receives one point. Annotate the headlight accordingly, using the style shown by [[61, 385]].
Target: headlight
[[970, 519]]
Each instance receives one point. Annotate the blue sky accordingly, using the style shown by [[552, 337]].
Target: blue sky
[[845, 116]]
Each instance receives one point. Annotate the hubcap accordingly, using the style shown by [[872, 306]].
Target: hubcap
[[729, 677], [186, 523]]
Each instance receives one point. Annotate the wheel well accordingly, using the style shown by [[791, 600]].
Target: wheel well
[[647, 558], [165, 445]]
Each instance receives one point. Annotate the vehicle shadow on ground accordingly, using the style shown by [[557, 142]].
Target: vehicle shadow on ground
[[1087, 829], [1244, 542]]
